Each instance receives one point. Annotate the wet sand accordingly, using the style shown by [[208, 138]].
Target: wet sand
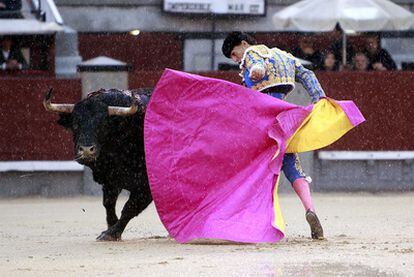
[[367, 235]]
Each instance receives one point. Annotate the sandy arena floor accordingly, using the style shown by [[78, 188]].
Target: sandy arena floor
[[367, 235]]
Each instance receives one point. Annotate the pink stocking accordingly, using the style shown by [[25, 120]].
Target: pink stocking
[[301, 187]]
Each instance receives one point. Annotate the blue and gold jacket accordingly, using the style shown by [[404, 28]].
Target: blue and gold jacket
[[281, 68]]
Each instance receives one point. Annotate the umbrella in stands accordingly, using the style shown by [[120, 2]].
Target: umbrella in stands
[[351, 15]]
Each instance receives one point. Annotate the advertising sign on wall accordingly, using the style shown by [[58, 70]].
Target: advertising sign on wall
[[220, 7]]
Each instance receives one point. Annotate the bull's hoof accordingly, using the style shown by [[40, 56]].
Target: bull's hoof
[[109, 236]]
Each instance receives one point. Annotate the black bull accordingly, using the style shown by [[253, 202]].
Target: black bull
[[107, 132]]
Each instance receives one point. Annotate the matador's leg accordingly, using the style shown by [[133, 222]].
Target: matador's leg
[[294, 173]]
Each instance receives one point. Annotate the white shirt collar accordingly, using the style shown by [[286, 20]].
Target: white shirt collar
[[6, 54]]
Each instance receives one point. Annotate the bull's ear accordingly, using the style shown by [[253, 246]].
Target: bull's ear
[[65, 120]]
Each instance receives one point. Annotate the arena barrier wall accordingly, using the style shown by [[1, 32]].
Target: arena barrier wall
[[30, 133]]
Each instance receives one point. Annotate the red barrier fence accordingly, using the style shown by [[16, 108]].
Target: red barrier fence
[[148, 51], [385, 99], [30, 133]]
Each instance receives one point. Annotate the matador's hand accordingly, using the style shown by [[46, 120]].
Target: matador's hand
[[319, 99], [257, 73]]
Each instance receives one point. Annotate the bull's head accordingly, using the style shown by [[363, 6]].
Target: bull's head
[[87, 120]]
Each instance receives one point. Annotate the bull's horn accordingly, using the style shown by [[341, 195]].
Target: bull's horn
[[57, 108], [124, 111]]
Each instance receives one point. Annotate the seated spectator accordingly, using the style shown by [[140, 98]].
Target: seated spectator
[[337, 46], [360, 62], [306, 51], [10, 9], [11, 57], [329, 61], [379, 59], [10, 4]]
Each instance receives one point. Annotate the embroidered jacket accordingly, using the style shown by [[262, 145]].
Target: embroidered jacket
[[281, 68]]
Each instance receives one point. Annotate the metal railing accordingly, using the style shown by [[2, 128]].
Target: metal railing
[[46, 10]]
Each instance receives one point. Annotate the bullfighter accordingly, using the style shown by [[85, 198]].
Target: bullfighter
[[274, 72]]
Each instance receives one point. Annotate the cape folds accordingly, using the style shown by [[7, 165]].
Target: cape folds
[[214, 151]]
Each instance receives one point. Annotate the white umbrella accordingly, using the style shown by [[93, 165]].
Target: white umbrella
[[351, 15]]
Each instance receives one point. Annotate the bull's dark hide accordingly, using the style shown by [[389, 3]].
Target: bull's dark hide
[[118, 160]]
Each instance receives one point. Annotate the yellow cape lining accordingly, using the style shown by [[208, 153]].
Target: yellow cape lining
[[326, 123]]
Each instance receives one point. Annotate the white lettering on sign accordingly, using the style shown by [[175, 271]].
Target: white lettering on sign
[[248, 7], [189, 7]]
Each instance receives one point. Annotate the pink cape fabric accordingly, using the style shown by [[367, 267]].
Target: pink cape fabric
[[209, 145]]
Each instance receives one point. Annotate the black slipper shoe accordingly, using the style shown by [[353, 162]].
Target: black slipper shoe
[[315, 225]]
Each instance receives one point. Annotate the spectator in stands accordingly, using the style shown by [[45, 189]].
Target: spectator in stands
[[337, 46], [360, 62], [10, 9], [307, 51], [379, 59], [10, 4], [329, 61], [11, 57]]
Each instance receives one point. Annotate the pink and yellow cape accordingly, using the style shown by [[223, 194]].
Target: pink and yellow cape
[[214, 151]]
